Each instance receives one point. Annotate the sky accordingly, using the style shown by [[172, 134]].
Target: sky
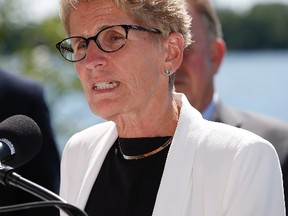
[[43, 8]]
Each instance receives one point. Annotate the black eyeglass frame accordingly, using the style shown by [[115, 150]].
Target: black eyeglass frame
[[95, 38]]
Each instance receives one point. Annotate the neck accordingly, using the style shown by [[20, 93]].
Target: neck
[[158, 122]]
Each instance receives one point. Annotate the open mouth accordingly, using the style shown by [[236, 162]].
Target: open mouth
[[106, 85]]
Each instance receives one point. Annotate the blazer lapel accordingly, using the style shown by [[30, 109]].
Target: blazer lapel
[[177, 174], [97, 158]]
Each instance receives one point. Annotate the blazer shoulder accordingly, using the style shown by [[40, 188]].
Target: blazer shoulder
[[230, 135], [252, 121], [89, 136], [269, 128]]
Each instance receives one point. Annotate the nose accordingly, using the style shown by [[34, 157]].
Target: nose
[[94, 56]]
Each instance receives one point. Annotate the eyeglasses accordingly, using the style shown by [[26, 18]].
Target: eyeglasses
[[110, 39]]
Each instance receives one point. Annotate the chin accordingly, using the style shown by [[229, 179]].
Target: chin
[[105, 109], [103, 112]]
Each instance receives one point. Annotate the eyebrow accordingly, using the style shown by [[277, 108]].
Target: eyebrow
[[98, 30]]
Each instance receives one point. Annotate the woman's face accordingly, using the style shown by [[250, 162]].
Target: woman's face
[[124, 82]]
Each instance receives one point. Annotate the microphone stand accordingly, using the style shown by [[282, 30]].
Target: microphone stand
[[9, 177]]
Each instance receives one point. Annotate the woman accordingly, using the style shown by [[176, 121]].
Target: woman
[[155, 155]]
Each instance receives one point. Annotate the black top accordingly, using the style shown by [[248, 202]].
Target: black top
[[128, 187]]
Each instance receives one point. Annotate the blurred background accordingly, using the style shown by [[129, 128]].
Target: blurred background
[[254, 75]]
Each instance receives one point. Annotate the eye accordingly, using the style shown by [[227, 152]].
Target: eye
[[114, 36], [81, 45], [112, 39], [117, 37]]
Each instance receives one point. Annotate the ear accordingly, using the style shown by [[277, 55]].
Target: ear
[[175, 47], [218, 50]]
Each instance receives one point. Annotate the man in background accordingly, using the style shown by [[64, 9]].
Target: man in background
[[19, 95], [195, 79]]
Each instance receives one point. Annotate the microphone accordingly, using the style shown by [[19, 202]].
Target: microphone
[[20, 140]]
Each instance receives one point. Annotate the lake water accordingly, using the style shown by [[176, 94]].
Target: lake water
[[255, 81]]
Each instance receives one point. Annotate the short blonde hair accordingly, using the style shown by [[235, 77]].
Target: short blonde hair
[[166, 15]]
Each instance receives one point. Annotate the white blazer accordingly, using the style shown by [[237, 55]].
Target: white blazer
[[212, 169]]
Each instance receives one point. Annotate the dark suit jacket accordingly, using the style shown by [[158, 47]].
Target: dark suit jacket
[[19, 95], [271, 129]]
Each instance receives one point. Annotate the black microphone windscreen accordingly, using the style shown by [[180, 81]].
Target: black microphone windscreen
[[25, 135]]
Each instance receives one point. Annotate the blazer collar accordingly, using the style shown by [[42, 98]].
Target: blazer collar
[[98, 156], [178, 168], [179, 165]]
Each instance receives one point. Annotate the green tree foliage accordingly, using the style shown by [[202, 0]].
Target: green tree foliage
[[28, 47], [265, 26], [32, 43]]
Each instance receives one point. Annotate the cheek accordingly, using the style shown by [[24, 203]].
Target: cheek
[[146, 72], [192, 66], [80, 73], [195, 70], [199, 65], [142, 78]]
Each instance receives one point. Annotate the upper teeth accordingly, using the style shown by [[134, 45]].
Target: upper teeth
[[105, 85]]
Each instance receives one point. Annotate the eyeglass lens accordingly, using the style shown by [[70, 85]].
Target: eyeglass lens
[[108, 40]]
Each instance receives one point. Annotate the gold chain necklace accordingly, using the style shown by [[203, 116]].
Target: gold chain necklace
[[137, 157]]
